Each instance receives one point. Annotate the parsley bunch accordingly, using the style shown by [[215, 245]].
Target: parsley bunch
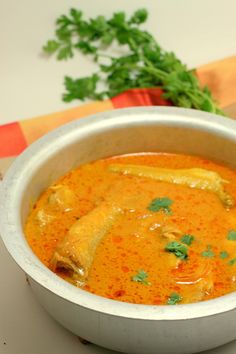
[[143, 64]]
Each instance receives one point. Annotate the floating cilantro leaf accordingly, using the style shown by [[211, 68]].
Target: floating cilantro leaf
[[231, 235], [180, 250], [208, 253], [224, 255], [232, 261], [141, 277], [187, 239], [174, 299], [161, 204]]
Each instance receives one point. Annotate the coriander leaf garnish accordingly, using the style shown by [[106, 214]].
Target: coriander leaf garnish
[[143, 63], [231, 235], [180, 250], [232, 261], [174, 299], [208, 252], [141, 277], [187, 239], [161, 204], [224, 255]]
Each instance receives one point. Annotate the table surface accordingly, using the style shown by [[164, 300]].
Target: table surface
[[31, 85]]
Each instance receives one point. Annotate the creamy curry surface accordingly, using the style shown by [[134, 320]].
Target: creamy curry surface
[[139, 239]]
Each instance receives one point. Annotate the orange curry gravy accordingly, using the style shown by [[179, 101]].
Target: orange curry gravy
[[132, 263]]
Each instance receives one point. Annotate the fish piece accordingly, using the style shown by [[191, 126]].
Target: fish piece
[[44, 217], [62, 197], [198, 178], [77, 249]]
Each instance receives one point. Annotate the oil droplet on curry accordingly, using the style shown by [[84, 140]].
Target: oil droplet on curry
[[148, 228]]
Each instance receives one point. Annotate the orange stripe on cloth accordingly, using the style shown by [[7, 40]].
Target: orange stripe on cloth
[[36, 127], [140, 97], [12, 140], [220, 77], [31, 129]]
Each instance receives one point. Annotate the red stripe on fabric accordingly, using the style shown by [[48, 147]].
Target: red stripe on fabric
[[12, 140], [140, 97]]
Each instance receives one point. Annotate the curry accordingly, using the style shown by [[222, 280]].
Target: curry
[[148, 228]]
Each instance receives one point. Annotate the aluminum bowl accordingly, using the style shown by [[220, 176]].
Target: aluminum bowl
[[129, 328]]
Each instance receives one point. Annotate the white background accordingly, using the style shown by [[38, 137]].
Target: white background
[[199, 31]]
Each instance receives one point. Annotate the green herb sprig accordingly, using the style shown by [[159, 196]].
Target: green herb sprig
[[179, 250], [232, 261], [224, 255], [208, 252], [174, 299], [187, 239], [141, 277], [143, 62], [231, 235], [159, 204]]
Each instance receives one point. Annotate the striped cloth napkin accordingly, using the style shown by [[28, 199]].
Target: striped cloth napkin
[[219, 76]]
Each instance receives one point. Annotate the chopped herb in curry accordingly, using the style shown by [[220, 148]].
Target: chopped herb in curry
[[231, 235], [174, 299], [224, 255], [208, 252], [180, 250], [141, 277], [161, 204], [232, 261], [187, 239], [121, 250]]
